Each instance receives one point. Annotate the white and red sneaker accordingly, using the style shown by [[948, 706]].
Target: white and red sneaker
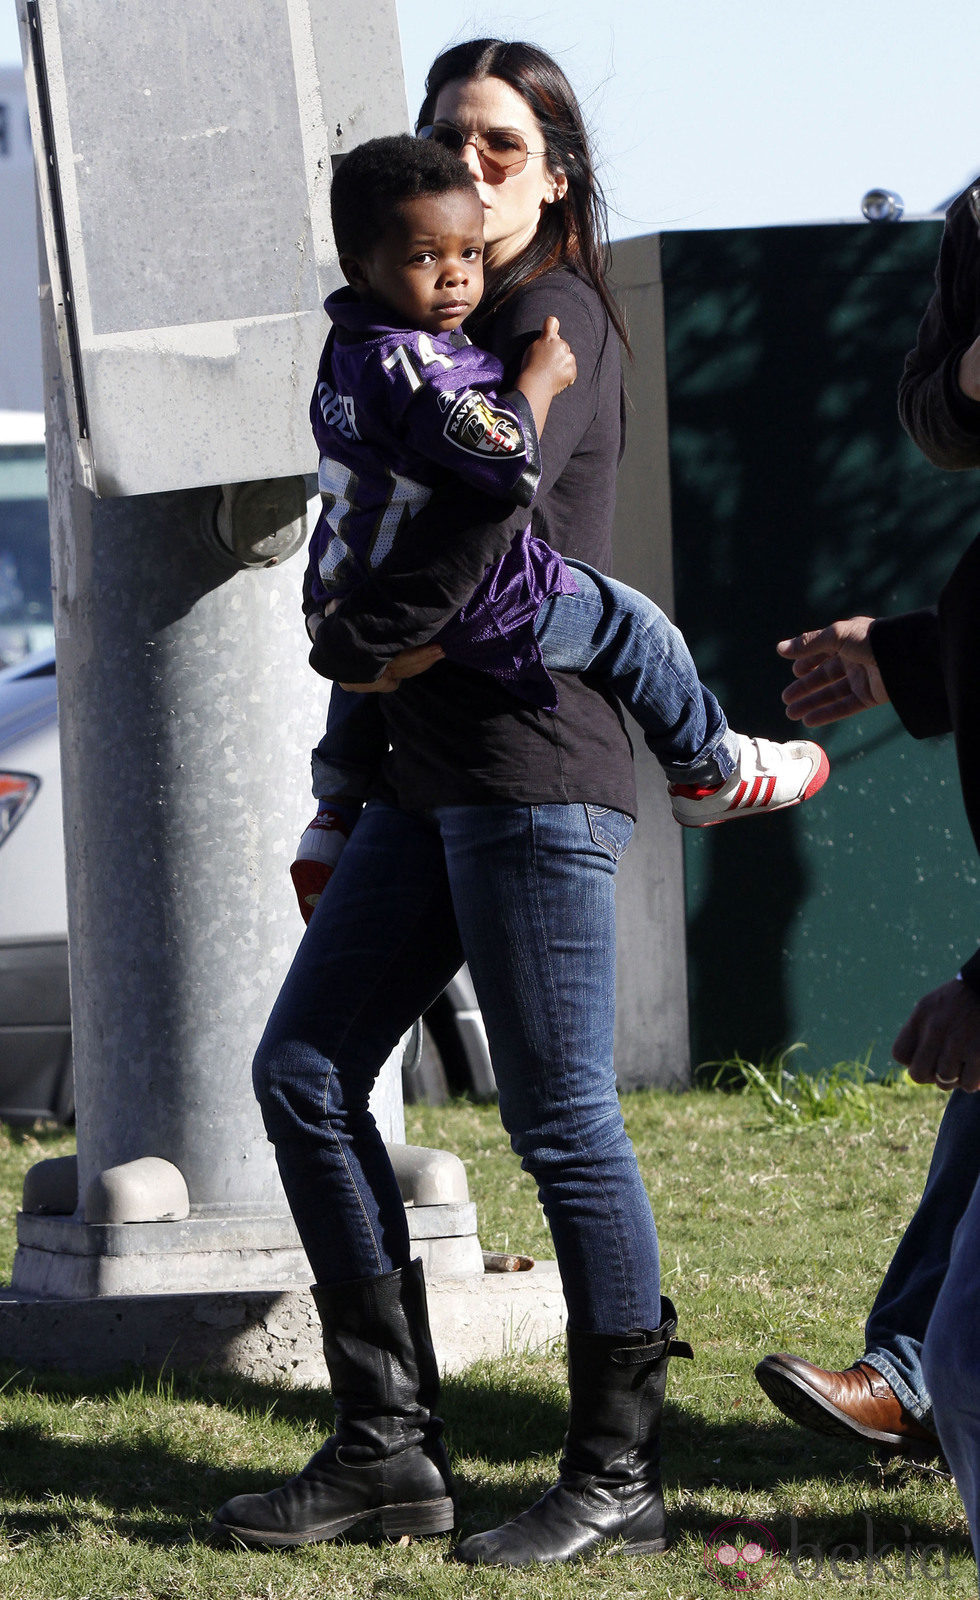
[[317, 855], [768, 777]]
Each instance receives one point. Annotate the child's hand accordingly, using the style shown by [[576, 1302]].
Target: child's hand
[[314, 618], [550, 359]]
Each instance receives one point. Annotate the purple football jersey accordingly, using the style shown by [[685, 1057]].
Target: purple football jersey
[[394, 410]]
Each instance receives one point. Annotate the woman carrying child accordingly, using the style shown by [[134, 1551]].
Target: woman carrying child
[[493, 836]]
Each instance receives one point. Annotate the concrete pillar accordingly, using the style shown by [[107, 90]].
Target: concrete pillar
[[185, 725]]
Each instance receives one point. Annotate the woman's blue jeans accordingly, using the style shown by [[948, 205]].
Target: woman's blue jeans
[[525, 894]]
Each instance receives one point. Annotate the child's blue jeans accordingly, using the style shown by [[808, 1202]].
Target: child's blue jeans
[[621, 638]]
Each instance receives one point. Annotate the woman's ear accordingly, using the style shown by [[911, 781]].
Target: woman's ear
[[559, 185]]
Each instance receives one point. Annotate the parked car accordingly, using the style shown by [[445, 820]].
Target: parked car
[[35, 1031], [453, 1055], [35, 1019], [25, 566]]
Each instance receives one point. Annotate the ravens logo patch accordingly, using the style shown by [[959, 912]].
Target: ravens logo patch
[[482, 429]]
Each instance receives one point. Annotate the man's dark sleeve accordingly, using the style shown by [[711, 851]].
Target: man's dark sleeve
[[439, 559], [935, 412], [945, 424], [908, 654], [907, 650]]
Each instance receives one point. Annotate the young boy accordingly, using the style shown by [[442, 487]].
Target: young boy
[[402, 398]]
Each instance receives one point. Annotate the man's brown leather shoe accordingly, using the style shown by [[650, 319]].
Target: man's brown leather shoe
[[857, 1401]]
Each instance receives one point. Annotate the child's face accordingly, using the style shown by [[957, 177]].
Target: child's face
[[428, 266]]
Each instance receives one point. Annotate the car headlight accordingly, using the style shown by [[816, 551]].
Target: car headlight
[[17, 790]]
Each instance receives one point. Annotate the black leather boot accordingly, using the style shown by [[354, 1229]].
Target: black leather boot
[[609, 1477], [386, 1460]]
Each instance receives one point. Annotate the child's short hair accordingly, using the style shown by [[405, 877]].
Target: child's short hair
[[380, 173]]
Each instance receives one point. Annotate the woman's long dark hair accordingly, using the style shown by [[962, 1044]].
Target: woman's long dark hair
[[573, 230]]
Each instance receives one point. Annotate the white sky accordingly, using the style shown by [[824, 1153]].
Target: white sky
[[721, 113]]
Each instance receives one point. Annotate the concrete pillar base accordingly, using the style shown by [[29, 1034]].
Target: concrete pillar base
[[270, 1335], [95, 1251], [65, 1258]]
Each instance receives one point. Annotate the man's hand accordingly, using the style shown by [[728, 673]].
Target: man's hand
[[968, 372], [406, 665], [940, 1043], [836, 672]]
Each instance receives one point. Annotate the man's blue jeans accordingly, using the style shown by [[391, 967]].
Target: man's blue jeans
[[900, 1315], [525, 894], [633, 650], [951, 1361]]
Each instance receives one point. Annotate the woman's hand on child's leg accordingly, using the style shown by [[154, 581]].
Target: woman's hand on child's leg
[[408, 664]]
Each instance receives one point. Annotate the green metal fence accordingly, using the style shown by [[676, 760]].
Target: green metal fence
[[797, 499]]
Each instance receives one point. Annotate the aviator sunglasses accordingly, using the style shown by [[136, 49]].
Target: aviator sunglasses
[[501, 150]]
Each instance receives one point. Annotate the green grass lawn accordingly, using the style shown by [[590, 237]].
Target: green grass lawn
[[774, 1236]]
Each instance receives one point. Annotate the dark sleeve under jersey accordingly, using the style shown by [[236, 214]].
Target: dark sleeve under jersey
[[432, 572], [935, 412]]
